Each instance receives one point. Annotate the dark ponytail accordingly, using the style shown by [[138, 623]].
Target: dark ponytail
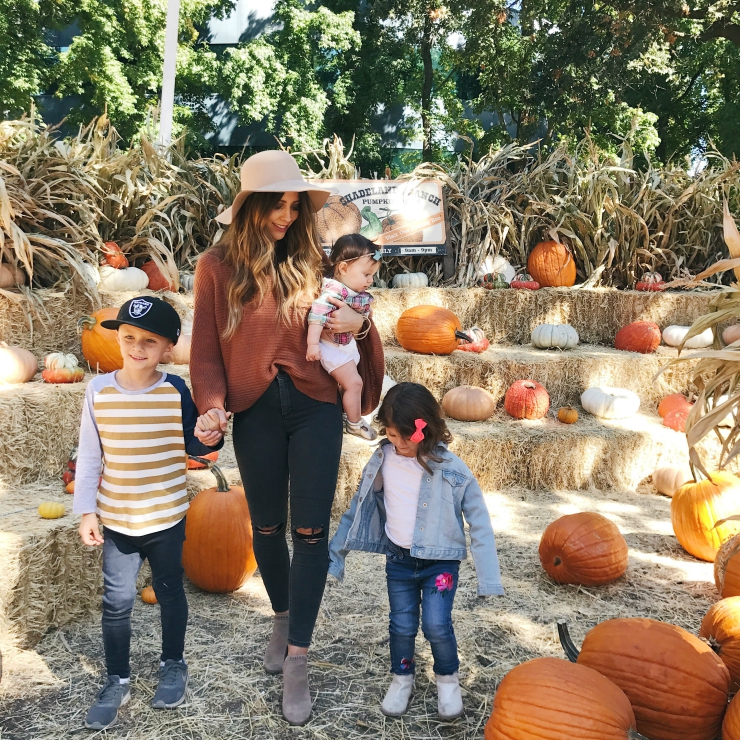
[[402, 406]]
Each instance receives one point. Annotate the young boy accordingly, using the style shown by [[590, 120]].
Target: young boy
[[138, 425]]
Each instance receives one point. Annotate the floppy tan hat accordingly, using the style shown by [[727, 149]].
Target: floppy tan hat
[[273, 171]]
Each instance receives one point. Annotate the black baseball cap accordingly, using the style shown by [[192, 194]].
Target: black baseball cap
[[148, 313]]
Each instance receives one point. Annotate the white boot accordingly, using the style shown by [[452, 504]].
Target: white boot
[[397, 697], [449, 698]]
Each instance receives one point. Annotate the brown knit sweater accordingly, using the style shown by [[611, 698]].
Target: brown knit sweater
[[233, 374]]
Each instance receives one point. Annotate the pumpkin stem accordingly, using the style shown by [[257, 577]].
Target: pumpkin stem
[[86, 322], [634, 735], [462, 335], [571, 651], [221, 483]]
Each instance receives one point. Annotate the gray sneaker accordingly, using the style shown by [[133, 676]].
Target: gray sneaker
[[110, 699], [173, 680], [362, 430]]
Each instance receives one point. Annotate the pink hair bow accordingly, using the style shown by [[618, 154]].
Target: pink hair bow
[[418, 435]]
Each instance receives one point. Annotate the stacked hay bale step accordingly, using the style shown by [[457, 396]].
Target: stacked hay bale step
[[50, 322]]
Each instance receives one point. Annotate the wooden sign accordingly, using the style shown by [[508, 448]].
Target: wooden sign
[[402, 216]]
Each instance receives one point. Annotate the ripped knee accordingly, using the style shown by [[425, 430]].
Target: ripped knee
[[270, 531], [309, 535]]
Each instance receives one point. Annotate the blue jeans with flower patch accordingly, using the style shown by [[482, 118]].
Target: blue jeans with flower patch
[[428, 586]]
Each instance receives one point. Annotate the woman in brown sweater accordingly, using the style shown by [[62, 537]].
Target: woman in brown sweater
[[253, 290]]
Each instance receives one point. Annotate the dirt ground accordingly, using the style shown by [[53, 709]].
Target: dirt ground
[[46, 696]]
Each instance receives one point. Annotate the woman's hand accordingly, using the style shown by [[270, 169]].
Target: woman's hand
[[211, 426], [90, 530], [344, 319]]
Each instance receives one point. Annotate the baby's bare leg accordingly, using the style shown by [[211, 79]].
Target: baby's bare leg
[[348, 377]]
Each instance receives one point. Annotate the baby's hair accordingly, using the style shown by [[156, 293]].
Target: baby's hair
[[350, 247], [402, 405]]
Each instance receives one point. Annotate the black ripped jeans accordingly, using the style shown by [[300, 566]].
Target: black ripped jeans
[[288, 442]]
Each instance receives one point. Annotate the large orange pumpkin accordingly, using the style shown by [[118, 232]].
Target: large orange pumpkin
[[217, 554], [100, 346], [727, 568], [676, 683], [697, 507], [551, 264], [640, 336], [547, 699], [671, 403], [527, 399], [731, 725], [721, 627], [195, 464], [584, 548], [429, 330]]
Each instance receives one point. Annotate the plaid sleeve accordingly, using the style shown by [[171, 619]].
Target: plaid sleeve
[[321, 308]]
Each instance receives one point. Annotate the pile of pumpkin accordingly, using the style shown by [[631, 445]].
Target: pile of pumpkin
[[115, 275], [635, 674]]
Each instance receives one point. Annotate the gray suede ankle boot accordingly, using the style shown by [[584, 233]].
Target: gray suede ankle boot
[[296, 695], [277, 648]]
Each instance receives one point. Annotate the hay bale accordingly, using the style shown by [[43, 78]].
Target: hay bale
[[510, 315], [565, 374], [48, 323], [547, 455]]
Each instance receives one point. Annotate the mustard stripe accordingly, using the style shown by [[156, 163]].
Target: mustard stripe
[[138, 482], [138, 409], [130, 400], [134, 512], [146, 498], [144, 452], [141, 465], [102, 421], [152, 442], [136, 494]]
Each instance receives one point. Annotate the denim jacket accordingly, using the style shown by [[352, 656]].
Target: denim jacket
[[448, 494]]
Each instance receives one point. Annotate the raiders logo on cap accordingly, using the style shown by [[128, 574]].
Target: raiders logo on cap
[[139, 307]]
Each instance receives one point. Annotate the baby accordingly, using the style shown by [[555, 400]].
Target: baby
[[355, 260]]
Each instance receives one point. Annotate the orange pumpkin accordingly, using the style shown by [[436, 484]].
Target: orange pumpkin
[[157, 281], [731, 725], [148, 596], [676, 683], [551, 265], [194, 464], [727, 568], [100, 346], [640, 336], [527, 399], [697, 507], [567, 415], [217, 554], [721, 627], [429, 330], [547, 699], [676, 419], [584, 548], [671, 403], [114, 256]]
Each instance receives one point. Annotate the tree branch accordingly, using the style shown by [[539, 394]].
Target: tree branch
[[722, 29]]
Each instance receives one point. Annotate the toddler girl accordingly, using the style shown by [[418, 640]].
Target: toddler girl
[[355, 260], [410, 505]]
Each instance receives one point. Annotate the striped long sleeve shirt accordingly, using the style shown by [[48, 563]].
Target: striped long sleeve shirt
[[133, 451]]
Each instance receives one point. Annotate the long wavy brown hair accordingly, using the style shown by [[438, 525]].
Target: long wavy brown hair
[[292, 267]]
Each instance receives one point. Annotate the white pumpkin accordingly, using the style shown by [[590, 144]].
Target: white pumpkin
[[90, 274], [410, 280], [388, 383], [497, 264], [187, 280], [610, 403], [561, 336], [674, 335], [117, 281], [669, 479], [731, 334]]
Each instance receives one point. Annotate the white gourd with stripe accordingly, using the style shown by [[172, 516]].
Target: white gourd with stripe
[[143, 487]]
